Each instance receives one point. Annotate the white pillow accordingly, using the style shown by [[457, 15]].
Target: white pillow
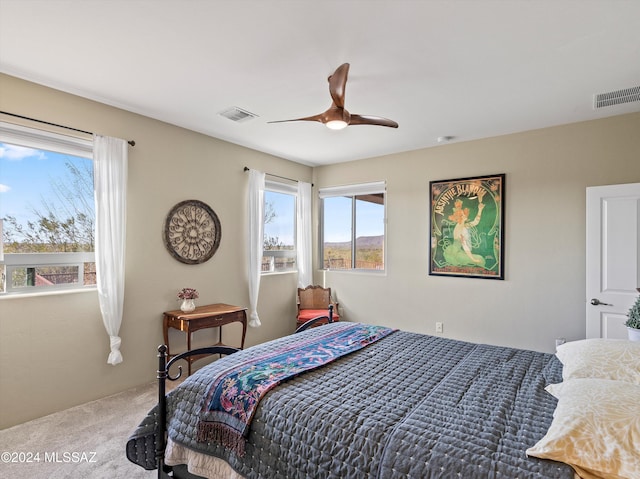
[[614, 359], [595, 428]]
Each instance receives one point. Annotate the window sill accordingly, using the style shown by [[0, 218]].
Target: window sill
[[276, 273], [375, 272], [33, 294]]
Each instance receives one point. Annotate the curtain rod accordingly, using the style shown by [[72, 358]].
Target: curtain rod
[[131, 142], [246, 168]]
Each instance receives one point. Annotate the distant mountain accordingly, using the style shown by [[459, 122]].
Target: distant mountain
[[364, 242]]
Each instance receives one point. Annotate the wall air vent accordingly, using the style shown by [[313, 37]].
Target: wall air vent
[[237, 114], [618, 97]]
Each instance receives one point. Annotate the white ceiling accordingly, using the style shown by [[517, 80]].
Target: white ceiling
[[467, 69]]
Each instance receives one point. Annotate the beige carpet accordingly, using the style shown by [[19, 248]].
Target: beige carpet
[[87, 441]]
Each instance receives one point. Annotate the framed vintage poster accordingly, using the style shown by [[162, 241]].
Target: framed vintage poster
[[467, 227]]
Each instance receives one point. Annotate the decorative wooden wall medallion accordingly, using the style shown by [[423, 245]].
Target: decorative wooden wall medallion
[[192, 232]]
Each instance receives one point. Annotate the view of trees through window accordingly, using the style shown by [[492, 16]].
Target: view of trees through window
[[279, 232], [47, 208]]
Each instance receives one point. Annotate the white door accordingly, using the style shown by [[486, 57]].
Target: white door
[[613, 258]]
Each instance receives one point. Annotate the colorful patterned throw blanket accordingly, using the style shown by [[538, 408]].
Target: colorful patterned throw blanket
[[233, 396]]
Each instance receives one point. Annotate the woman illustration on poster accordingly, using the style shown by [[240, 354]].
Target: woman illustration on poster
[[459, 253]]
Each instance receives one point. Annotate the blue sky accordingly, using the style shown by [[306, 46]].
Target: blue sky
[[282, 225], [337, 226], [26, 176]]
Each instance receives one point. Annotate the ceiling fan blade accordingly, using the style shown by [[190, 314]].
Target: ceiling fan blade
[[332, 114], [337, 83], [319, 117], [372, 120]]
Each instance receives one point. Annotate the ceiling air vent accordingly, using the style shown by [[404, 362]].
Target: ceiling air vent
[[616, 97], [237, 114]]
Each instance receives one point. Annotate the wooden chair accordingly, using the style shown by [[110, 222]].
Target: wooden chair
[[314, 301]]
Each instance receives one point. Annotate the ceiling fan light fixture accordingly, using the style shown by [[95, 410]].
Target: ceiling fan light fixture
[[336, 124]]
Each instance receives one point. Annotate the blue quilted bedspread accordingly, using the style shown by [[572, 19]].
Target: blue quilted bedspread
[[407, 406]]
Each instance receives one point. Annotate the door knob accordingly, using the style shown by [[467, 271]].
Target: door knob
[[597, 302]]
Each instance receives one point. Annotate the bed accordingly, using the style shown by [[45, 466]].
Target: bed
[[405, 406]]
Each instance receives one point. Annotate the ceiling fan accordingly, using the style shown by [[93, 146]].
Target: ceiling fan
[[337, 117]]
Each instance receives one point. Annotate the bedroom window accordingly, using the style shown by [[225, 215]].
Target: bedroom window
[[46, 211], [353, 227], [279, 248]]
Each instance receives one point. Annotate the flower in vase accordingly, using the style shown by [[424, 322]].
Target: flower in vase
[[187, 293]]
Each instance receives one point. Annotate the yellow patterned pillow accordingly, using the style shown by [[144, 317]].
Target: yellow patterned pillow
[[595, 428], [601, 358]]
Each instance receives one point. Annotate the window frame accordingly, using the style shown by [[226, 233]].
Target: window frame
[[23, 136], [352, 191], [16, 261], [287, 189]]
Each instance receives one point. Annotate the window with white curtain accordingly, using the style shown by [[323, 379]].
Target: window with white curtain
[[47, 211], [279, 253], [352, 227]]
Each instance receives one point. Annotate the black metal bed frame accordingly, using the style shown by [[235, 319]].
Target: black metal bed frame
[[168, 472]]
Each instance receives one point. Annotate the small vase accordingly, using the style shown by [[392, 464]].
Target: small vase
[[188, 305], [634, 334]]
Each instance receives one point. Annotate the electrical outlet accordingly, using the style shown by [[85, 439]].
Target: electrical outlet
[[439, 327]]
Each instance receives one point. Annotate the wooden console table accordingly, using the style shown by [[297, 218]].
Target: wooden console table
[[209, 316]]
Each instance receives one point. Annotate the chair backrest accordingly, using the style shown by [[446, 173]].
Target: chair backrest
[[314, 297]]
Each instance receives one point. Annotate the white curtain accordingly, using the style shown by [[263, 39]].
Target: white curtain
[[110, 157], [303, 243], [256, 239]]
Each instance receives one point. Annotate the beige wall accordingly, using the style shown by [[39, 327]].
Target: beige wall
[[543, 295], [53, 349]]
